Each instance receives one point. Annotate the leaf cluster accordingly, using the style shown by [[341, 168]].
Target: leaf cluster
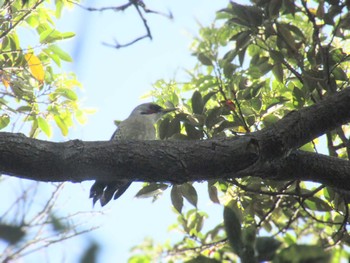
[[31, 89], [256, 64]]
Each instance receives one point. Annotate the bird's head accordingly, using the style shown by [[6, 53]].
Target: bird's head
[[150, 110]]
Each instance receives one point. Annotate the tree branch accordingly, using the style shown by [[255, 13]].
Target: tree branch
[[269, 154]]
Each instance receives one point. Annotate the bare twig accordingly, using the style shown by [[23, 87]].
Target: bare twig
[[140, 8]]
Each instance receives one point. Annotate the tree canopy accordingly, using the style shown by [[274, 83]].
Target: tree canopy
[[271, 79]]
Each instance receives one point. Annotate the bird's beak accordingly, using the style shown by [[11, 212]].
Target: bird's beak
[[168, 110]]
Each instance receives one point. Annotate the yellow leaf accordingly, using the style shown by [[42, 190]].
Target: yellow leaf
[[35, 66], [5, 82]]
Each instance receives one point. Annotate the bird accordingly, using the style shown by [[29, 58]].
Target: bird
[[138, 126]]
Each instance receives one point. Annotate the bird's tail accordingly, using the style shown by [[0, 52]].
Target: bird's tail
[[104, 191]]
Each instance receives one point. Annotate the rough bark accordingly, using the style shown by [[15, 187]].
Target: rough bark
[[269, 153]]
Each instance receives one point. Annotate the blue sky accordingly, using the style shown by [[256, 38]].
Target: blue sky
[[113, 82]]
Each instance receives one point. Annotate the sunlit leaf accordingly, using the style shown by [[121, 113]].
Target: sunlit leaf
[[68, 93], [62, 125], [4, 121], [44, 126]]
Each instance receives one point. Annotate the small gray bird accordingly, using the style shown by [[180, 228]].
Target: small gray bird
[[138, 126]]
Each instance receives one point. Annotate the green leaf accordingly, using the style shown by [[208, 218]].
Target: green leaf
[[151, 190], [197, 102], [163, 128], [67, 93], [339, 74], [204, 59], [4, 121], [266, 248], [60, 53], [243, 40], [274, 8], [317, 204], [233, 228], [192, 132], [202, 259], [44, 126], [62, 125], [303, 253], [24, 109], [208, 96], [190, 193], [277, 56], [277, 71], [173, 128], [298, 98], [176, 198], [213, 193], [286, 34]]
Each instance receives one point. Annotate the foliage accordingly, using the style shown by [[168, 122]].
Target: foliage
[[36, 96], [31, 90], [256, 64]]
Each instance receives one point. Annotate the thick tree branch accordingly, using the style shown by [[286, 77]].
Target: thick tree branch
[[268, 154]]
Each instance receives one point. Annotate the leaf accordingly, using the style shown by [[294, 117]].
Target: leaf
[[277, 71], [233, 227], [298, 98], [192, 132], [67, 93], [10, 233], [50, 35], [24, 109], [317, 204], [303, 253], [204, 59], [58, 225], [4, 121], [243, 40], [163, 128], [274, 8], [62, 125], [266, 248], [60, 53], [208, 96], [35, 66], [277, 56], [151, 190], [176, 198], [44, 126], [213, 193], [173, 128], [90, 255], [202, 259], [190, 193], [80, 115], [197, 102]]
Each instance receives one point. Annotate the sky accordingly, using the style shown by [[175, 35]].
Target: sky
[[113, 81]]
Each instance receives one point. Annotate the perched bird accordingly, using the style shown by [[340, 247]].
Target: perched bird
[[138, 126]]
